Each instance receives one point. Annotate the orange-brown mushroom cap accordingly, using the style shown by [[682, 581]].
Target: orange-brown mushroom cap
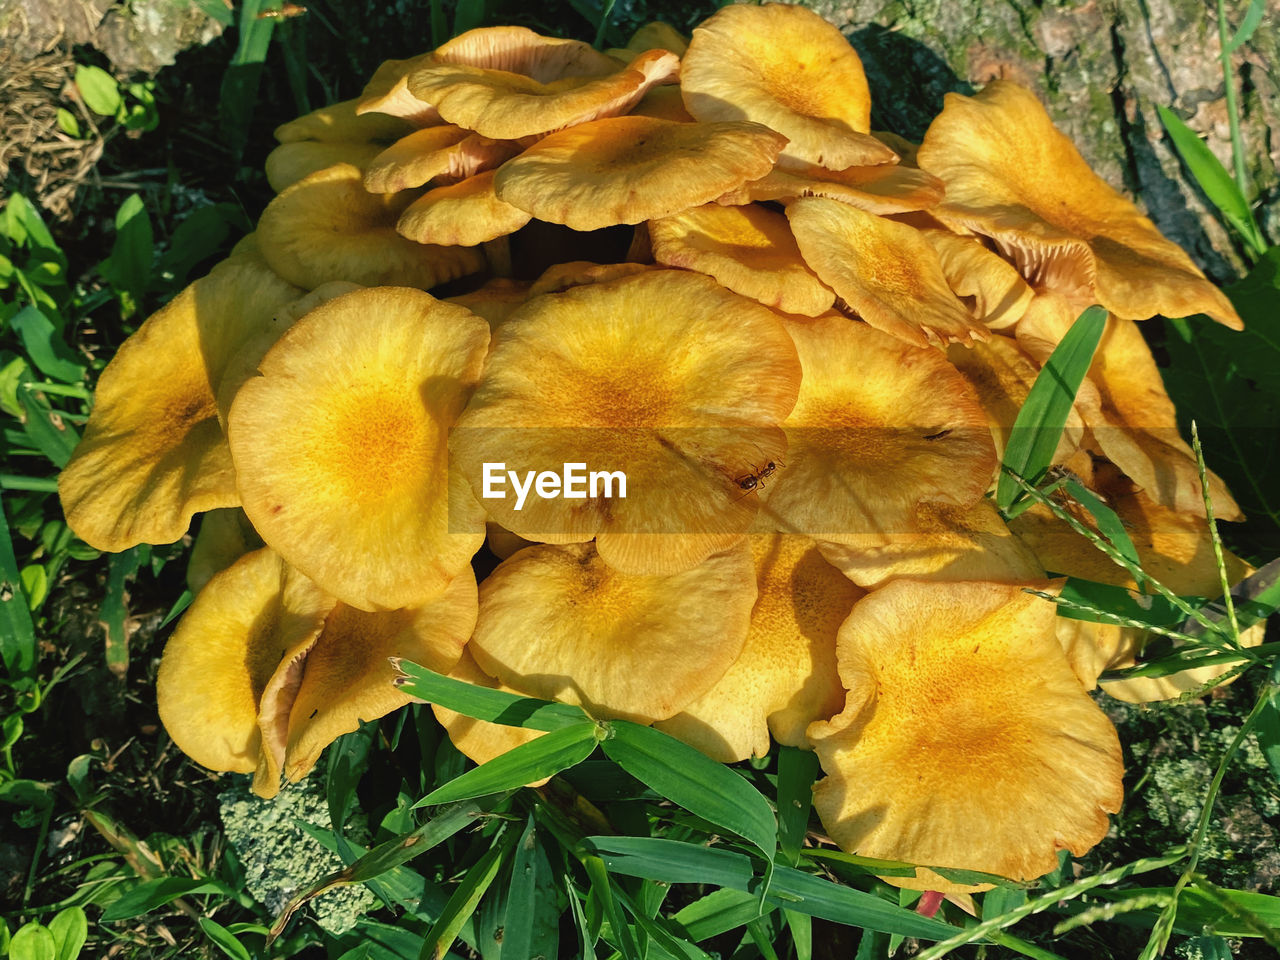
[[663, 376], [153, 453], [629, 169], [328, 227], [509, 106], [785, 677], [521, 50], [966, 741], [784, 66], [1013, 176], [290, 162], [340, 446], [558, 622], [999, 294], [347, 675], [885, 271], [879, 426], [445, 153], [748, 249], [461, 214], [225, 651], [341, 122]]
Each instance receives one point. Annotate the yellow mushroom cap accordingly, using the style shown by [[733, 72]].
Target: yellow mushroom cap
[[347, 675], [521, 50], [784, 66], [885, 189], [950, 543], [885, 271], [225, 651], [508, 106], [629, 169], [879, 426], [445, 153], [387, 92], [495, 301], [328, 227], [465, 214], [576, 273], [480, 740], [153, 453], [341, 122], [225, 536], [558, 622], [655, 35], [999, 294], [664, 376], [290, 162], [351, 483], [748, 249], [785, 677], [1137, 426], [1012, 176], [966, 741]]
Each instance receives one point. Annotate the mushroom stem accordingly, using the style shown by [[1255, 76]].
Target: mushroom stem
[[498, 253]]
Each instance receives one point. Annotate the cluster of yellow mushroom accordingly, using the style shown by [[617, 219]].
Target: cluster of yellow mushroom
[[804, 357]]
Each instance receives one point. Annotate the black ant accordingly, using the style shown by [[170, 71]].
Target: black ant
[[751, 481]]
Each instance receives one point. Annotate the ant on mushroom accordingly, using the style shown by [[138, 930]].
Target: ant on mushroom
[[755, 480]]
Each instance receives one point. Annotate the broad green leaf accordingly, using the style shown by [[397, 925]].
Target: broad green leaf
[[1213, 178], [152, 894], [532, 927], [45, 347], [482, 703], [199, 237], [26, 228], [675, 862], [1038, 427], [1121, 602], [68, 123], [688, 778], [98, 89], [217, 10], [224, 939], [797, 769], [1228, 381], [17, 632], [718, 912], [462, 904], [35, 583], [129, 265], [543, 757], [46, 429], [33, 941]]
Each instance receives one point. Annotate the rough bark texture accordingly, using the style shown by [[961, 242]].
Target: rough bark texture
[[1101, 67]]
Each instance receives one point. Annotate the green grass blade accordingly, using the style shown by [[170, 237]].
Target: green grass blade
[[674, 861], [464, 901], [718, 912], [543, 757], [482, 703], [532, 926], [1213, 179], [688, 778], [801, 891], [1248, 26], [152, 894], [797, 769], [17, 631], [114, 612], [1038, 426], [602, 887]]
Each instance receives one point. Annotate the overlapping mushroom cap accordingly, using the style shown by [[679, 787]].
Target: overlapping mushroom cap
[[153, 454], [785, 677], [351, 484], [663, 376], [559, 623], [629, 169], [879, 426], [966, 740], [784, 66], [265, 669], [1012, 176]]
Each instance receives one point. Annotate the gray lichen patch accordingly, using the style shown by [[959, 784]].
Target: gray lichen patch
[[280, 859]]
